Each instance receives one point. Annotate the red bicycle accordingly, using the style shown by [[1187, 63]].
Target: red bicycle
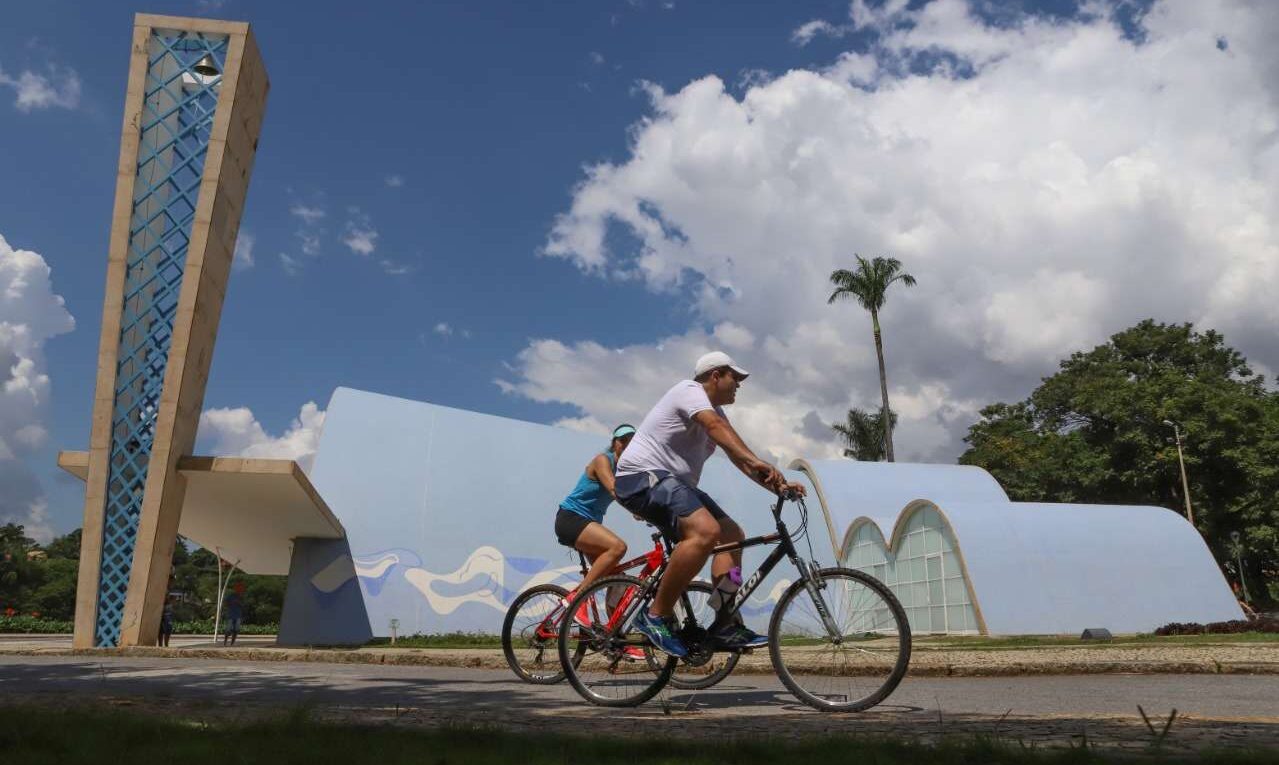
[[531, 629]]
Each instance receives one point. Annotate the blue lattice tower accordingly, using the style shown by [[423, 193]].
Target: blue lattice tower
[[196, 95]]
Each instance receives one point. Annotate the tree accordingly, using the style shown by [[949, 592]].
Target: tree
[[868, 285], [1094, 432], [864, 434]]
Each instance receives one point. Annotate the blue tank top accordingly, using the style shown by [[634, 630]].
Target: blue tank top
[[589, 498]]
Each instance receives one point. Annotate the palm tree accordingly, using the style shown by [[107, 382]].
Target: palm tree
[[868, 284], [864, 434]]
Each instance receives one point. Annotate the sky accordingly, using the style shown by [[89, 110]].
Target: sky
[[548, 211]]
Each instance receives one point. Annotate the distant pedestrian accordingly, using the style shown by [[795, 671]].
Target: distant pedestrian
[[234, 613], [166, 622]]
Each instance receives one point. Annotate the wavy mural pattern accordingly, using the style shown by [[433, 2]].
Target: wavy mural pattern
[[488, 577]]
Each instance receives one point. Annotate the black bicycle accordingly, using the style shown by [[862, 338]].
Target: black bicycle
[[838, 638]]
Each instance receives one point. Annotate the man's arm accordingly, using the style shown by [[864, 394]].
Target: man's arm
[[721, 431]]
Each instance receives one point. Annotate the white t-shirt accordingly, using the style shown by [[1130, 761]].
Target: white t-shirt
[[670, 439]]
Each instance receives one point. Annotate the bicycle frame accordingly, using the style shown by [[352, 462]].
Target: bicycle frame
[[652, 561], [785, 549]]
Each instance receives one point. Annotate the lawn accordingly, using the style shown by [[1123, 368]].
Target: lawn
[[36, 736], [978, 643]]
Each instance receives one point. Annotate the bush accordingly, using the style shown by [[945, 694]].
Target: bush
[[34, 624], [205, 627], [1263, 624]]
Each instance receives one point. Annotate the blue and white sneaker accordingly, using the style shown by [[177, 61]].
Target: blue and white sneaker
[[660, 631], [736, 636]]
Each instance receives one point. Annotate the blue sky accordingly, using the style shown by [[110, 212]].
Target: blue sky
[[416, 158]]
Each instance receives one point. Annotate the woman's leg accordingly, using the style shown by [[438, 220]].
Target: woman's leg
[[602, 547]]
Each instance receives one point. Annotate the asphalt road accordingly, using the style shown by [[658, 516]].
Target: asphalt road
[[1220, 697]]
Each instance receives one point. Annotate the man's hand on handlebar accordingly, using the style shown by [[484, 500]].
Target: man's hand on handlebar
[[773, 479]]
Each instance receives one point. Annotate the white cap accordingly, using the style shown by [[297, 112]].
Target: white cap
[[715, 360]]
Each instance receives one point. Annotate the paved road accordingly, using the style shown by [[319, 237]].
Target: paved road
[[1218, 709]]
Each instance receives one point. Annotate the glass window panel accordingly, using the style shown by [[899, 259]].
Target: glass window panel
[[955, 591], [920, 620], [938, 618], [955, 617], [935, 596], [932, 542], [903, 595], [934, 567], [917, 570], [921, 593]]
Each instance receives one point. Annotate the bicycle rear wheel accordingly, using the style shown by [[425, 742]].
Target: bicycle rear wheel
[[606, 673], [530, 631], [858, 666], [689, 677]]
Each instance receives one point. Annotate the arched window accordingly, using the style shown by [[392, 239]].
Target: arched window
[[924, 573]]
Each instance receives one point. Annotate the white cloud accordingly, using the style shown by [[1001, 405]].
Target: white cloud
[[309, 215], [361, 241], [805, 32], [235, 432], [394, 181], [1048, 182], [290, 264], [31, 314], [59, 88], [243, 257], [443, 329]]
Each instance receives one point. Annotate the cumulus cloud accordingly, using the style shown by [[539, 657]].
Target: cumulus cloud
[[309, 215], [394, 181], [236, 432], [58, 88], [30, 315], [1049, 182]]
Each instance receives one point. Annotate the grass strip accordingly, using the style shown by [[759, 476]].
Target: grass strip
[[35, 736]]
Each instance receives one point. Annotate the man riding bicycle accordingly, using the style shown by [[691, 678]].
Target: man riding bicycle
[[657, 479]]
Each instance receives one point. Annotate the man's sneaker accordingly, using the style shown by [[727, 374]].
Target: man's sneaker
[[634, 653], [737, 636], [660, 633]]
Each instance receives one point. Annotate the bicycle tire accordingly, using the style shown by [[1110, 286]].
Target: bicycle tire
[[788, 652], [694, 678], [647, 682], [511, 645]]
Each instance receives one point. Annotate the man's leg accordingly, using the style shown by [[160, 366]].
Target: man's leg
[[729, 531], [699, 532]]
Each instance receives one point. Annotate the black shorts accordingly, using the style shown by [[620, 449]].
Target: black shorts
[[662, 499], [569, 526]]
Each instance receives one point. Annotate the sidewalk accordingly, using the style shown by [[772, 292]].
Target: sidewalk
[[1217, 658]]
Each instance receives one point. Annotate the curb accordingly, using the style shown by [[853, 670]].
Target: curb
[[443, 658]]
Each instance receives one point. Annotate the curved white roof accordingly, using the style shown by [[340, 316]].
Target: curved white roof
[[1037, 568]]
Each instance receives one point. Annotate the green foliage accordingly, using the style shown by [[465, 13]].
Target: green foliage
[[46, 582], [29, 625], [863, 434], [1095, 432]]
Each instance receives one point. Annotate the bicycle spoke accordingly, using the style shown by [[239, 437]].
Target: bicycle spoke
[[849, 670], [612, 668]]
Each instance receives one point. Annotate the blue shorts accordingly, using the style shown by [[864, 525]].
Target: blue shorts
[[662, 499]]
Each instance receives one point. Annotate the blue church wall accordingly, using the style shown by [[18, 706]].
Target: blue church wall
[[449, 513]]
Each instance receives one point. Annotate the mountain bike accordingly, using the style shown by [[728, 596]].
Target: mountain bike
[[838, 638], [533, 620]]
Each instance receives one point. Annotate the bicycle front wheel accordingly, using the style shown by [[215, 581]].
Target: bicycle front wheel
[[610, 669], [853, 666], [530, 632]]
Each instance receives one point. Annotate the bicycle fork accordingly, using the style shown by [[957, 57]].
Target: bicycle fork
[[814, 583]]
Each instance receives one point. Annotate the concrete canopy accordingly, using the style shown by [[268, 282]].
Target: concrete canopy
[[250, 510]]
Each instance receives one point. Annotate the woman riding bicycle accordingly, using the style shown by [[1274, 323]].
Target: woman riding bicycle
[[579, 523]]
